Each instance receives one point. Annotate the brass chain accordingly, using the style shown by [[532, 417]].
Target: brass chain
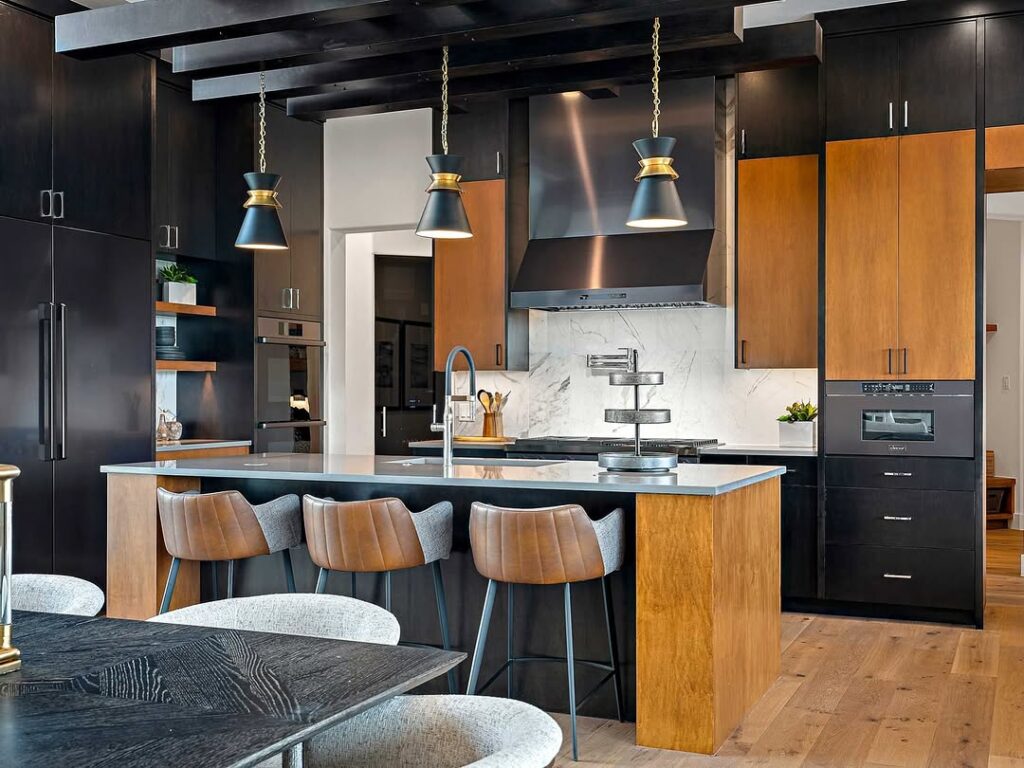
[[263, 122], [656, 85], [444, 99]]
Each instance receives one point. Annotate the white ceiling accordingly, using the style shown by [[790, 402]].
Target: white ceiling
[[784, 11]]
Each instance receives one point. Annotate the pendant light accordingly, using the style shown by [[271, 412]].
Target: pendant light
[[656, 203], [444, 216], [261, 228]]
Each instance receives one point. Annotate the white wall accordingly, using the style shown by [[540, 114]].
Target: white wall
[[1003, 349], [375, 178]]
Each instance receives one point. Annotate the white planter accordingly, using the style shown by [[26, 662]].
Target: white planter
[[798, 433], [180, 293]]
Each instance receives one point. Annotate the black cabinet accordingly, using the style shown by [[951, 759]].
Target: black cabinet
[[1004, 62], [290, 283], [26, 93], [900, 473], [777, 112], [480, 136], [900, 518], [183, 175], [799, 519], [918, 80], [102, 128]]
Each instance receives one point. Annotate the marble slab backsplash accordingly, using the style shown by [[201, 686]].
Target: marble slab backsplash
[[708, 396]]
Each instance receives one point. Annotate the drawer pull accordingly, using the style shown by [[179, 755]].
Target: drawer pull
[[898, 474], [903, 576], [897, 518]]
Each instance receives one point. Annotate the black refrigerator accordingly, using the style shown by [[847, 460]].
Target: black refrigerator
[[76, 384]]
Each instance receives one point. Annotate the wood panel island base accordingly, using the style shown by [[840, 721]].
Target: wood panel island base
[[697, 606]]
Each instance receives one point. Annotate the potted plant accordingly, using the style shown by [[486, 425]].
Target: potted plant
[[796, 425], [179, 285]]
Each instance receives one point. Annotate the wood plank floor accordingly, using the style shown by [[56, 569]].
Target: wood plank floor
[[872, 693]]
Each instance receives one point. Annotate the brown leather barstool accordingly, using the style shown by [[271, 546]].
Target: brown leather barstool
[[553, 545], [380, 536], [212, 527]]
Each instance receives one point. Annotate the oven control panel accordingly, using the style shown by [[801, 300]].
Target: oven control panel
[[898, 387]]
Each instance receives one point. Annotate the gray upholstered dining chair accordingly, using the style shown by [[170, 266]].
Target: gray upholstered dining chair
[[407, 731], [50, 593]]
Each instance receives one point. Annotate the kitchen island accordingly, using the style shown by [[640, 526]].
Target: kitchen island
[[697, 602]]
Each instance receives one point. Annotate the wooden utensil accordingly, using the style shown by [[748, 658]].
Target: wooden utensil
[[485, 400]]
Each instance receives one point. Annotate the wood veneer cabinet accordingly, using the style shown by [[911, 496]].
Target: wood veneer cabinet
[[777, 262], [900, 257], [470, 294]]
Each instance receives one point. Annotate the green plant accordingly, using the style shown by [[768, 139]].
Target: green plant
[[799, 412], [175, 273]]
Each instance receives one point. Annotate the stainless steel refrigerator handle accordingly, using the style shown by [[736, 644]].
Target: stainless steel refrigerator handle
[[62, 336], [46, 312], [383, 421]]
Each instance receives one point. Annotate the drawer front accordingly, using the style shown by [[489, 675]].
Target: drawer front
[[800, 470], [900, 518], [907, 472], [925, 578]]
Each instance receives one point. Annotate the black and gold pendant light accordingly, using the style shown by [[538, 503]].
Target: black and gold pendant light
[[656, 203], [261, 228], [444, 216]]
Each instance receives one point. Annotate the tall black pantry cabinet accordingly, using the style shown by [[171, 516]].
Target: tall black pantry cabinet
[[76, 370]]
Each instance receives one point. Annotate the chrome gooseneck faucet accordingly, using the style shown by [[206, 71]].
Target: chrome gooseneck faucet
[[447, 424]]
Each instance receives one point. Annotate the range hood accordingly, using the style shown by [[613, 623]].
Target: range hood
[[581, 254]]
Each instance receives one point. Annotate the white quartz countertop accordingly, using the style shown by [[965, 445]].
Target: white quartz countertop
[[725, 449], [687, 480]]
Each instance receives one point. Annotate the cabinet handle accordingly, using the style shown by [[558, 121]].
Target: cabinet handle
[[891, 126], [286, 298], [58, 196], [897, 474], [897, 518], [297, 297], [902, 576], [904, 360], [890, 361], [165, 242], [743, 351], [177, 241], [743, 142], [497, 162], [383, 421], [46, 203], [497, 354], [906, 114]]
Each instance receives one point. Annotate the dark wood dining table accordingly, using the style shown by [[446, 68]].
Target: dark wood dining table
[[110, 692]]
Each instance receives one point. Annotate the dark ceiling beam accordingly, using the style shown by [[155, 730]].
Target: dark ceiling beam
[[717, 27], [763, 48], [148, 26], [490, 21]]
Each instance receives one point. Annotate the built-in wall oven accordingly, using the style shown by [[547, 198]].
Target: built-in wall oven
[[900, 418], [289, 383]]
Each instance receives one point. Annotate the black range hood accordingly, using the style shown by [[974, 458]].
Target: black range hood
[[650, 269], [581, 254]]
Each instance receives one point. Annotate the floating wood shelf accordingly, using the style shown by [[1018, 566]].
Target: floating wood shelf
[[991, 327], [187, 366], [170, 308]]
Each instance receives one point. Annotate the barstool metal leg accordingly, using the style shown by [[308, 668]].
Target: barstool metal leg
[[387, 591], [613, 646], [231, 579], [353, 583], [289, 572], [442, 616], [509, 654], [571, 667], [172, 578], [481, 637], [321, 581], [216, 581]]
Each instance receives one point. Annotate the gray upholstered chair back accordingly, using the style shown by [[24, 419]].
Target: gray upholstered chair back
[[49, 593], [328, 616]]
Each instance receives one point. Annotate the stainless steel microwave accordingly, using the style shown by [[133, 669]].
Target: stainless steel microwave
[[900, 418]]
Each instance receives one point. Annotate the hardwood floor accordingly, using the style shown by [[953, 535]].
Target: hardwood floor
[[872, 693]]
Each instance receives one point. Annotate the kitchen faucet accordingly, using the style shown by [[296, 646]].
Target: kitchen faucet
[[447, 425]]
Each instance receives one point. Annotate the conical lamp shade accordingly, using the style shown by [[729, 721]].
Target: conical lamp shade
[[656, 203], [444, 216], [261, 228]]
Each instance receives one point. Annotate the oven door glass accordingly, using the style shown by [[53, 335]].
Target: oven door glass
[[288, 382], [891, 425]]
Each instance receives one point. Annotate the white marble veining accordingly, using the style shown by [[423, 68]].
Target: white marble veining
[[687, 480]]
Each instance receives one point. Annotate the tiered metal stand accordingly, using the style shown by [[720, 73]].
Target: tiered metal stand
[[625, 374]]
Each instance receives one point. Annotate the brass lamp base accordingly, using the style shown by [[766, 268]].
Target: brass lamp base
[[10, 658]]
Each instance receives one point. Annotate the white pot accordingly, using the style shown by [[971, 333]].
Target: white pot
[[798, 433], [180, 293]]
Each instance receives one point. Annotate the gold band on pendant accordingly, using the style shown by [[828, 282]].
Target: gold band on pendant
[[448, 181], [266, 198], [656, 166]]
